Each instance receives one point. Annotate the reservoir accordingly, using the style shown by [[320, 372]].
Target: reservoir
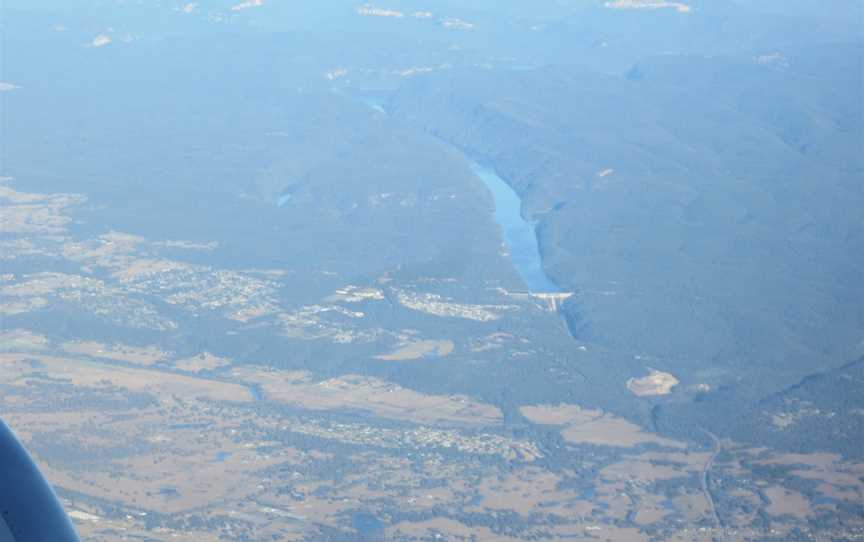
[[520, 235]]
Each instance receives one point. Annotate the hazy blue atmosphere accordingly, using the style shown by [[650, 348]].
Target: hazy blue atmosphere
[[488, 270]]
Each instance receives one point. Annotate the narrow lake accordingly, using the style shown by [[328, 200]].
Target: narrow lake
[[520, 235]]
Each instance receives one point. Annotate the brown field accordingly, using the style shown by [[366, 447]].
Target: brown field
[[840, 479], [623, 486], [561, 414], [785, 501], [90, 373], [527, 491], [202, 362], [820, 460], [612, 431], [650, 512], [642, 469], [609, 533], [148, 355], [849, 493], [105, 529], [155, 481], [419, 349], [425, 530], [593, 426], [372, 395]]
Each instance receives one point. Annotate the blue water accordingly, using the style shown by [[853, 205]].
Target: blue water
[[283, 199], [220, 457], [520, 235], [367, 525]]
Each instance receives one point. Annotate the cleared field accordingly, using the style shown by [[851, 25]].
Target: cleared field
[[202, 362], [372, 395], [785, 501], [531, 490], [424, 530], [593, 426], [201, 463], [656, 383], [16, 366], [419, 349], [148, 355]]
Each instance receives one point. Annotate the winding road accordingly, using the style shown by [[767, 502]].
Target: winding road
[[718, 447]]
